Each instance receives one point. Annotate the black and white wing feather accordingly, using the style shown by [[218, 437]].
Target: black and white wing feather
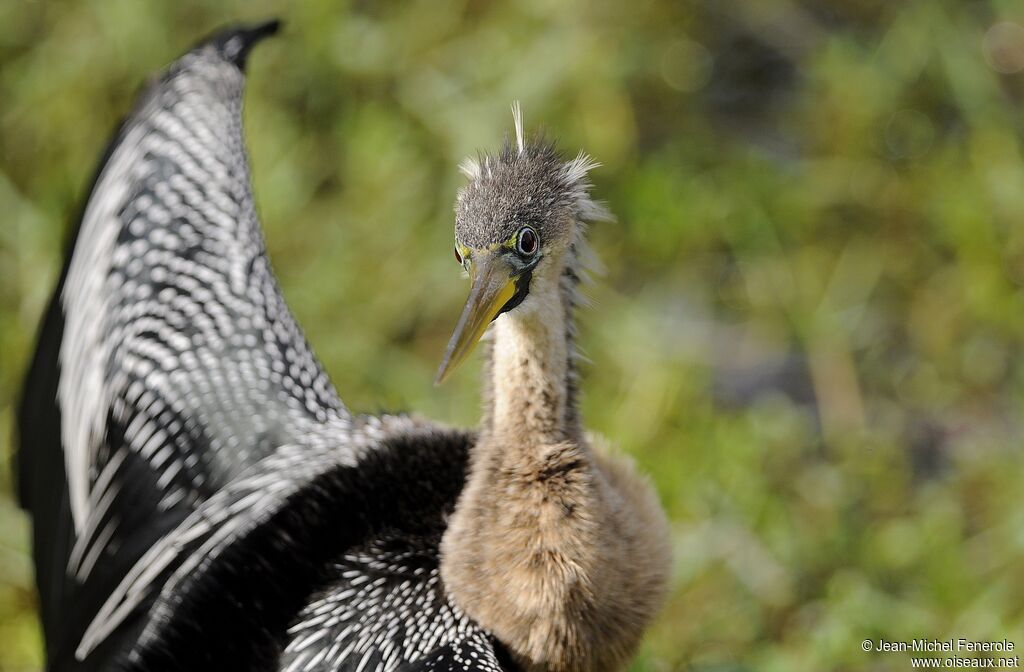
[[169, 361], [201, 498], [175, 330], [335, 570], [385, 609]]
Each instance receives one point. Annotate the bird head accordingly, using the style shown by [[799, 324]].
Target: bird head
[[519, 226]]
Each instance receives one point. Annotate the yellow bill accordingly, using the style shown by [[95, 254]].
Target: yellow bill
[[493, 287]]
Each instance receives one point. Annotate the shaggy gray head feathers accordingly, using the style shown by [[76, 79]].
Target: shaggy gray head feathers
[[526, 183]]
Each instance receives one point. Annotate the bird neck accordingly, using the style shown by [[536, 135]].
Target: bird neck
[[531, 369]]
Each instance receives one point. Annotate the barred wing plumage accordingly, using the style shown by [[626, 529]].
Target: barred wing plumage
[[174, 416]]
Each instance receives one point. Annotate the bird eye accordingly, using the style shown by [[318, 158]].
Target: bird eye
[[527, 242], [458, 257]]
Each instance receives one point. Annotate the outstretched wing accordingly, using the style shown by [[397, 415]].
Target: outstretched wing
[[192, 476], [169, 362], [312, 561]]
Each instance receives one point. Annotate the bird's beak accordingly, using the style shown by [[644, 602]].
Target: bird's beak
[[494, 285]]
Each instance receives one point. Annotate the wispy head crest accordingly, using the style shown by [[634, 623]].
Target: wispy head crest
[[532, 160], [517, 119], [470, 167], [577, 169]]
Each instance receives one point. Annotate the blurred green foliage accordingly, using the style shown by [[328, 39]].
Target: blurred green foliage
[[811, 324]]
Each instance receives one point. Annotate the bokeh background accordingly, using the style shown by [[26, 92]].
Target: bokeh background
[[810, 327]]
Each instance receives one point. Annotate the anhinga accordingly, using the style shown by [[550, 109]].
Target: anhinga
[[201, 498]]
